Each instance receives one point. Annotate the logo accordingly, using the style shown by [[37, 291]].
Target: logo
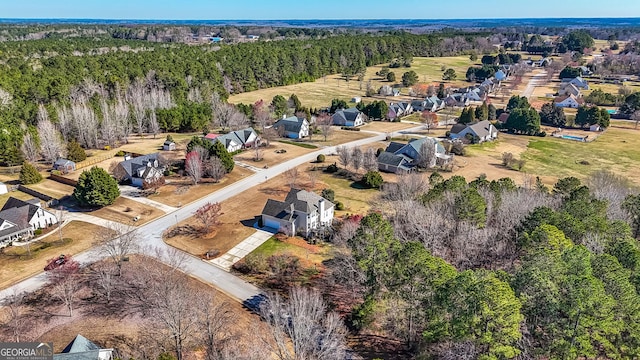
[[26, 351]]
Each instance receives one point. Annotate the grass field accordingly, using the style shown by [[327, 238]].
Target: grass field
[[123, 210], [320, 92], [308, 254], [52, 188], [16, 264]]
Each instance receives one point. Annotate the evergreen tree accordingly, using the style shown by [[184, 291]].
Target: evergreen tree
[[218, 150], [96, 188], [441, 94], [467, 116], [75, 152], [482, 112], [29, 174], [493, 112]]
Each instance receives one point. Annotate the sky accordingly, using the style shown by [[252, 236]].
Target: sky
[[315, 9]]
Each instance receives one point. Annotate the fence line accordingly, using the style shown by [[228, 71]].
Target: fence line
[[95, 159], [63, 180]]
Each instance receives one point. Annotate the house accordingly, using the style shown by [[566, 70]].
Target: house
[[395, 92], [579, 82], [595, 127], [568, 101], [169, 146], [19, 219], [253, 37], [400, 158], [301, 212], [140, 170], [433, 104], [348, 117], [216, 39], [543, 62], [3, 188], [64, 166], [292, 127], [569, 89], [235, 140], [483, 131], [397, 110], [487, 85], [500, 75], [585, 71], [456, 99], [418, 105], [81, 348]]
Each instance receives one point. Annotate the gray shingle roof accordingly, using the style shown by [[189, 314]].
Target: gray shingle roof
[[305, 201], [19, 212], [481, 128], [131, 166], [457, 128], [342, 116], [388, 158], [80, 344], [394, 147], [290, 124]]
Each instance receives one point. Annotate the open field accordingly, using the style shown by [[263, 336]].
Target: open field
[[52, 188], [310, 255], [181, 193], [124, 210], [269, 155], [16, 264], [320, 92], [385, 126], [340, 136]]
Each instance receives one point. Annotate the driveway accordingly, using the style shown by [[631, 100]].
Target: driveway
[[244, 248], [208, 273], [133, 193], [536, 80]]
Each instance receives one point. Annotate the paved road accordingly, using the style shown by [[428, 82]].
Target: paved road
[[151, 238]]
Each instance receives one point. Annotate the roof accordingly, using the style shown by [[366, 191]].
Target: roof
[[80, 344], [503, 117], [394, 147], [305, 201], [560, 99], [344, 115], [61, 162], [416, 144], [277, 209], [169, 143], [10, 227], [290, 124], [19, 212], [211, 136], [457, 128], [482, 128], [131, 166], [388, 158]]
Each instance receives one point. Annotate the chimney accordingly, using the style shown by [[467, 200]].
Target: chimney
[[284, 116], [321, 209]]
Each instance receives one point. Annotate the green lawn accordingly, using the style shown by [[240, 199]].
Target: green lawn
[[617, 150], [355, 200], [274, 246]]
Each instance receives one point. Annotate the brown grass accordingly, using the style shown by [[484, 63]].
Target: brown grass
[[269, 155], [16, 265], [182, 193], [124, 210], [340, 136], [385, 126], [52, 188], [16, 194]]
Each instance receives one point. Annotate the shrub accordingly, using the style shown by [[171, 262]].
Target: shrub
[[372, 179], [169, 138], [542, 133], [320, 158], [328, 194], [37, 232], [507, 159], [107, 147], [379, 151], [520, 164], [56, 172], [331, 168], [29, 174], [339, 206], [120, 153], [96, 188], [447, 134]]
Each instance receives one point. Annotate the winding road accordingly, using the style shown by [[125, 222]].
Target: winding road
[[151, 233]]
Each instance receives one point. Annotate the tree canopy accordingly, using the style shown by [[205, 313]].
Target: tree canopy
[[96, 188]]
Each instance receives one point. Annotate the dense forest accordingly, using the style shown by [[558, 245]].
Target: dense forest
[[85, 81], [490, 270]]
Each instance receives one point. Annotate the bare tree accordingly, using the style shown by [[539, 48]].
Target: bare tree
[[103, 275], [193, 166], [269, 134], [209, 215], [301, 328], [215, 320], [427, 154], [154, 127], [136, 98], [257, 151], [85, 123], [370, 161], [30, 148], [121, 112], [109, 125], [324, 122], [215, 169], [118, 242], [313, 178], [16, 321], [344, 155], [65, 282], [65, 123], [357, 158], [51, 143], [292, 177]]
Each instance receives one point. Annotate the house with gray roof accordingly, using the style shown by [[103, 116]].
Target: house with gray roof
[[140, 170], [481, 131], [400, 109], [19, 219], [401, 158], [348, 117], [433, 103], [235, 140], [81, 348], [579, 82], [301, 212], [64, 165], [292, 127]]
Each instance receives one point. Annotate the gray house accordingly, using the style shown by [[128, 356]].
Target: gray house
[[400, 158], [140, 170], [64, 166], [81, 348], [300, 213], [292, 127], [348, 117], [483, 130]]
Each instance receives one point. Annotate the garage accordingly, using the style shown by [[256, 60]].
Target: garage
[[270, 223]]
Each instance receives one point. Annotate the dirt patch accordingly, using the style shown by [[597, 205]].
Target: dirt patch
[[222, 239], [124, 210], [16, 264], [181, 192]]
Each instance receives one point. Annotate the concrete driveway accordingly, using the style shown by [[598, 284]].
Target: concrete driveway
[[241, 250]]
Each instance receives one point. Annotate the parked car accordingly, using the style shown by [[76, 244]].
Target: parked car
[[55, 263]]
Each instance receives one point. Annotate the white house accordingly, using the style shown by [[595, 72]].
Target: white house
[[568, 101], [19, 219], [579, 82], [401, 158], [169, 146], [140, 170], [235, 140], [483, 130], [348, 117], [569, 89], [292, 127], [3, 188], [300, 213]]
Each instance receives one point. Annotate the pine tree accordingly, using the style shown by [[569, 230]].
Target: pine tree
[[75, 152], [467, 116], [96, 188], [218, 150], [29, 174]]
